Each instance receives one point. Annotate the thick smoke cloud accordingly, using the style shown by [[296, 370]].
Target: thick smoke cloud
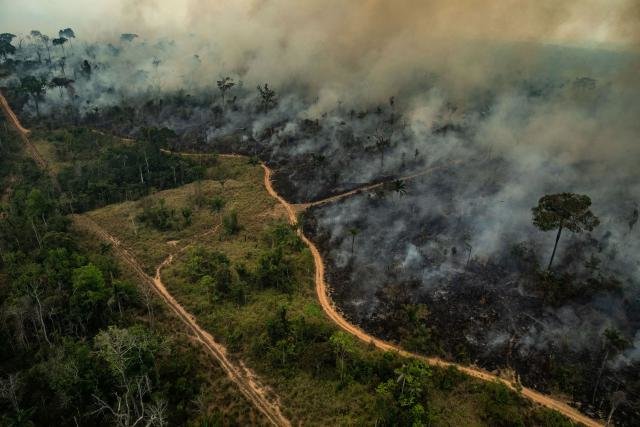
[[369, 47]]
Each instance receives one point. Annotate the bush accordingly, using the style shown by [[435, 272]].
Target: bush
[[274, 270], [217, 204], [156, 214], [230, 223]]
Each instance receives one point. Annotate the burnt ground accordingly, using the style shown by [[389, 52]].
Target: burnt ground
[[501, 313]]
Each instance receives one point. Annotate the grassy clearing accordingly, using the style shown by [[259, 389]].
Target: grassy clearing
[[318, 384], [237, 189], [219, 401]]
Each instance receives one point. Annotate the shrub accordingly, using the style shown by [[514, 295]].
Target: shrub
[[230, 223]]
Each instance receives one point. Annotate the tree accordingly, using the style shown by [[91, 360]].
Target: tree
[[45, 41], [399, 186], [6, 48], [86, 68], [225, 85], [128, 37], [274, 270], [613, 343], [90, 293], [59, 42], [343, 345], [353, 232], [60, 83], [35, 87], [268, 98], [129, 355], [404, 396], [617, 398], [187, 216], [564, 210], [382, 143], [67, 33], [7, 37]]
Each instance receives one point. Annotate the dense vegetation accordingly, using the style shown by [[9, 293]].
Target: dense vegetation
[[97, 170], [82, 343]]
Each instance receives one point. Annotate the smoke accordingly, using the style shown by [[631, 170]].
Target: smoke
[[370, 48]]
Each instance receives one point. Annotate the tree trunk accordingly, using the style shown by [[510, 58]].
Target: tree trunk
[[595, 389], [39, 309], [613, 409], [353, 241], [553, 254], [35, 231]]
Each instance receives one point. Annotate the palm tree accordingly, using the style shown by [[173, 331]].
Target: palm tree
[[382, 143], [399, 187], [353, 232], [225, 86]]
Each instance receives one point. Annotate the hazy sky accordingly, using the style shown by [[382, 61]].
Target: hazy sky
[[572, 21]]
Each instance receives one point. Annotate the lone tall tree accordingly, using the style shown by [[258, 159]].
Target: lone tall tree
[[564, 210], [67, 33], [225, 85]]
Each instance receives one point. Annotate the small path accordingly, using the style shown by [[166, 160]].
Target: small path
[[242, 376], [24, 135]]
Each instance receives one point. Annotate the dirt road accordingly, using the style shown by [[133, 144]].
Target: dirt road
[[24, 135], [331, 311], [244, 378], [369, 187]]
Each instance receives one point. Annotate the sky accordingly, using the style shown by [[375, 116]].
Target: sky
[[608, 22]]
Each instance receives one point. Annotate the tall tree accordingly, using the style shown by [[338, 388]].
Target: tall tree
[[6, 48], [224, 86], [268, 98], [353, 232], [59, 42], [613, 343], [45, 41], [67, 33], [60, 83], [564, 210], [35, 87], [382, 143]]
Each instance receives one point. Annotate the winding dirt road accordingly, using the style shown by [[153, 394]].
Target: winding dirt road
[[241, 375], [332, 312]]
